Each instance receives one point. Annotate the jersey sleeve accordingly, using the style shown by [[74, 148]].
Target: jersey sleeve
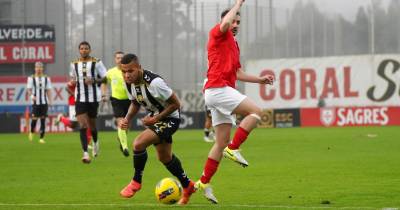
[[108, 76], [72, 72], [101, 69], [159, 89], [216, 32], [29, 83], [49, 86]]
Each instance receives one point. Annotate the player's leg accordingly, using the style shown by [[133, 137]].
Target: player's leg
[[120, 109], [92, 114], [83, 121], [142, 141], [33, 122], [43, 116], [252, 115], [174, 166]]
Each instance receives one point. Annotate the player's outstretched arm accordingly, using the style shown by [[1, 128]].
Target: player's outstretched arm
[[230, 16], [244, 77]]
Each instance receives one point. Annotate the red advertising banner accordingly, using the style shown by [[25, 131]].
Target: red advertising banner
[[28, 52], [350, 116]]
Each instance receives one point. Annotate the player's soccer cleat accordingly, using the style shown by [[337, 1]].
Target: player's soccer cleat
[[86, 158], [234, 155], [30, 136], [187, 192], [96, 149], [130, 189], [208, 139], [125, 151], [207, 191], [58, 119], [41, 141]]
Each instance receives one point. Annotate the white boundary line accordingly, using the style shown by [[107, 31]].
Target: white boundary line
[[196, 205]]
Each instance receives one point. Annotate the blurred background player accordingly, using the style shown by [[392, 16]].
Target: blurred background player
[[87, 72], [119, 99], [71, 121], [150, 91], [223, 99], [39, 89]]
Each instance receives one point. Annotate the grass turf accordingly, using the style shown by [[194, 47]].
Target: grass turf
[[294, 168]]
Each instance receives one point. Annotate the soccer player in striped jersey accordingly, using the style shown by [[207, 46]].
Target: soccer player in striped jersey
[[119, 99], [88, 73], [149, 90], [39, 86]]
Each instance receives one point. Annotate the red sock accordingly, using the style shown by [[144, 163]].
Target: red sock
[[89, 136], [240, 136], [66, 121], [209, 170]]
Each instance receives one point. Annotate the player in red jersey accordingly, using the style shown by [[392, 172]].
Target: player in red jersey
[[71, 121], [223, 99]]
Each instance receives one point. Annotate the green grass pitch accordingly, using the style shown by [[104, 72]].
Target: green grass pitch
[[294, 168]]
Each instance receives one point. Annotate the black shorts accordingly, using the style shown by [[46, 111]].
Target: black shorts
[[87, 107], [120, 107], [39, 110], [166, 128]]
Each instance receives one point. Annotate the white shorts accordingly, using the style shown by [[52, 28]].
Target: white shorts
[[222, 101], [72, 113]]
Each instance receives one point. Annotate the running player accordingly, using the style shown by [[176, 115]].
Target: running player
[[39, 89], [87, 72], [119, 99], [150, 91]]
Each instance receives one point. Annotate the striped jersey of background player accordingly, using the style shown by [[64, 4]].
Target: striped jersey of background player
[[87, 73], [39, 89]]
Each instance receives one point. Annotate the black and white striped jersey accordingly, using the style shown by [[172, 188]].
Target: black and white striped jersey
[[82, 70], [38, 86], [152, 94]]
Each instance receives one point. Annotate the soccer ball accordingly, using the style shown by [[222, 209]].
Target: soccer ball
[[168, 191]]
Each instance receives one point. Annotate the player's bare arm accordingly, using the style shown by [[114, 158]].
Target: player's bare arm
[[227, 21], [244, 77], [173, 105], [133, 110], [49, 96]]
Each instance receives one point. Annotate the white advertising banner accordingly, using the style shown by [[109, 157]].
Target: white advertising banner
[[365, 80]]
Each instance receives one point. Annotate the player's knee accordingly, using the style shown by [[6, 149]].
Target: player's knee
[[164, 157], [138, 145]]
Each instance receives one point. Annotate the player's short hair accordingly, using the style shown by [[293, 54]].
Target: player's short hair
[[84, 43], [129, 58], [118, 52], [226, 12]]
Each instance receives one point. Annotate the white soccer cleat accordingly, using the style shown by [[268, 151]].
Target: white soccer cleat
[[234, 155], [96, 148], [41, 141], [207, 191], [86, 157], [208, 139]]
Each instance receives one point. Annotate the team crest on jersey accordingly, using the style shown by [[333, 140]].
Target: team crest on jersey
[[327, 116]]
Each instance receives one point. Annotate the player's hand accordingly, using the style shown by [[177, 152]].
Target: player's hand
[[89, 81], [123, 124], [147, 121], [240, 2], [267, 79], [33, 98]]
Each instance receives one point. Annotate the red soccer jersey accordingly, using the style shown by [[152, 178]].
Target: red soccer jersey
[[223, 59], [71, 98]]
